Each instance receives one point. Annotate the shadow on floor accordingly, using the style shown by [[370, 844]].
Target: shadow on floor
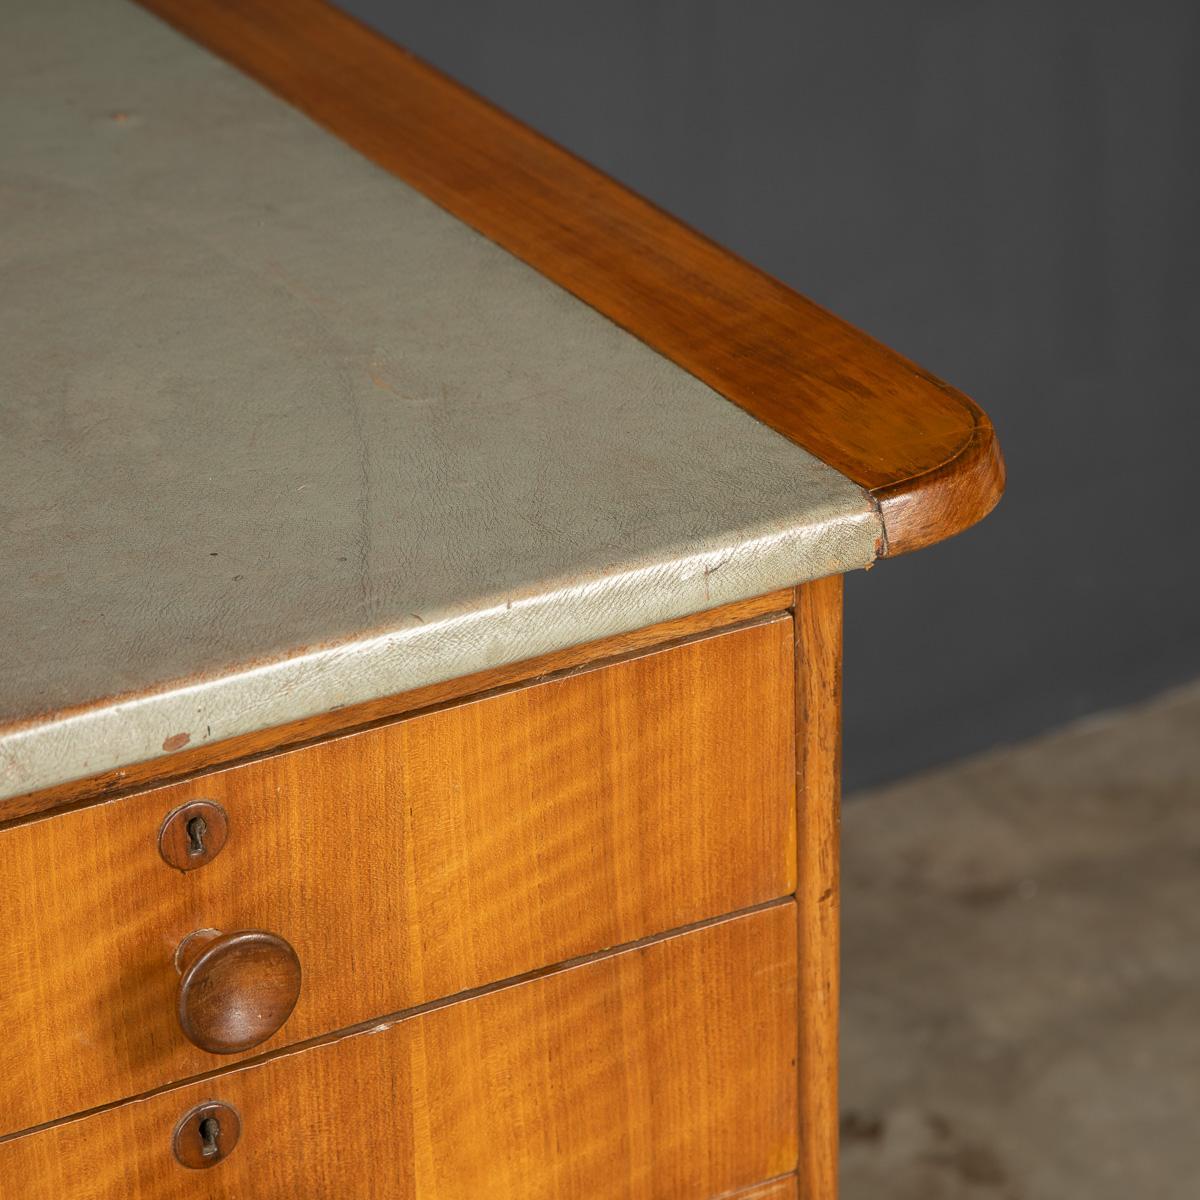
[[1021, 991]]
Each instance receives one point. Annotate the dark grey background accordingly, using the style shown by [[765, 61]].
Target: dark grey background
[[1007, 193]]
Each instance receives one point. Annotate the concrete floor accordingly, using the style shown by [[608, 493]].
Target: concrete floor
[[1022, 970]]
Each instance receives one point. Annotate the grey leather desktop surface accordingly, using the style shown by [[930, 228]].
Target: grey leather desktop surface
[[278, 435]]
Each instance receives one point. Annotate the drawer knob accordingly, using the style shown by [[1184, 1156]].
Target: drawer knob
[[235, 989]]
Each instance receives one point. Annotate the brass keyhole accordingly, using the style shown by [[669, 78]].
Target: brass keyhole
[[197, 827], [210, 1137]]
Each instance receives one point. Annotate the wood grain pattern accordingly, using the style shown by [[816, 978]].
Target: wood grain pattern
[[927, 453], [818, 626], [777, 1189], [662, 1073], [197, 758], [409, 862], [945, 499]]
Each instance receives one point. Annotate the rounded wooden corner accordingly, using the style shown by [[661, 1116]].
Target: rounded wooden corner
[[936, 504]]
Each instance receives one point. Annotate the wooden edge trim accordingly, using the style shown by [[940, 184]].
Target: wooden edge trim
[[923, 450], [818, 629], [195, 759], [947, 499]]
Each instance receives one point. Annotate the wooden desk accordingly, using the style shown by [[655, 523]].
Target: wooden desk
[[419, 704]]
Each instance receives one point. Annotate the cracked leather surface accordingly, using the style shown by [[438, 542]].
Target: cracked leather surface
[[278, 435]]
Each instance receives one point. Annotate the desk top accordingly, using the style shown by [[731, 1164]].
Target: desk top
[[279, 435]]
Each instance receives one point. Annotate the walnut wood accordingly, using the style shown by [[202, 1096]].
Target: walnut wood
[[405, 863], [662, 1073], [236, 990], [927, 453], [818, 626], [197, 758]]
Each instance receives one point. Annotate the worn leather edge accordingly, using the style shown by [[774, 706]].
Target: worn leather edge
[[191, 760], [306, 51], [115, 732]]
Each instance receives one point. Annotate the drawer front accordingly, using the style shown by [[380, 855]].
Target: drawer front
[[662, 1072], [404, 864]]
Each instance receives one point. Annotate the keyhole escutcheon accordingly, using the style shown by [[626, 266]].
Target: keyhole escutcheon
[[193, 834], [206, 1135]]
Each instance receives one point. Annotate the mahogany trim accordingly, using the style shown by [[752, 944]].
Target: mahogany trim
[[925, 451]]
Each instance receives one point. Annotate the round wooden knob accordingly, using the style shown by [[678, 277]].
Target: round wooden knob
[[235, 989]]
